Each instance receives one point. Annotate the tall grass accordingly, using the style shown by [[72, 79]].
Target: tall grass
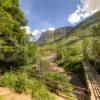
[[40, 92], [21, 83]]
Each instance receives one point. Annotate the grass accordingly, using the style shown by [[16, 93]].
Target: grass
[[61, 82], [1, 98], [40, 92], [21, 83]]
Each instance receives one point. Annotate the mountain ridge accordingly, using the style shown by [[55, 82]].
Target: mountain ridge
[[50, 36]]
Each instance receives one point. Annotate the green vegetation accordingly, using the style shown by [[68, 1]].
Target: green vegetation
[[1, 98], [40, 92], [82, 42], [18, 54], [60, 82], [15, 48], [55, 76], [21, 83]]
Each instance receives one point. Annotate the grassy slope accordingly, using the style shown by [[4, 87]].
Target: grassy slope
[[78, 33], [75, 39]]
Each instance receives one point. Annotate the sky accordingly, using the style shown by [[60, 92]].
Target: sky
[[50, 14]]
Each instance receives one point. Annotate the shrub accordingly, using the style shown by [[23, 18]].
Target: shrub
[[40, 92], [28, 69], [7, 80], [55, 76], [22, 83], [60, 82]]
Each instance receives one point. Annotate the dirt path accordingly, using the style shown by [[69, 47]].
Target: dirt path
[[52, 65], [6, 94], [72, 77]]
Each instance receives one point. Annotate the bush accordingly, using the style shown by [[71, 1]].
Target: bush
[[40, 92], [22, 83], [7, 80], [28, 69], [55, 76], [59, 81]]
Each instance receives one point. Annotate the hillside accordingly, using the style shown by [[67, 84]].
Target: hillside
[[57, 65], [77, 32], [50, 36], [82, 42], [92, 20], [83, 28]]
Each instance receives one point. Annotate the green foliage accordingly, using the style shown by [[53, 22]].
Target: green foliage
[[96, 41], [41, 61], [15, 49], [32, 48], [21, 56], [70, 59], [59, 81], [40, 92], [28, 69], [55, 76], [6, 4], [96, 30], [22, 83], [86, 48], [1, 98], [7, 80]]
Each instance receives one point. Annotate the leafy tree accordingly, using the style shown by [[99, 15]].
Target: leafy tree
[[14, 42], [96, 43]]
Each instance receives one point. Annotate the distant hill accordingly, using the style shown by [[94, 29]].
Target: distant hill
[[78, 33], [50, 36], [82, 29]]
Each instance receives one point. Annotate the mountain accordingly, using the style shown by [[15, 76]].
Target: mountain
[[82, 29], [81, 42], [89, 22], [50, 36]]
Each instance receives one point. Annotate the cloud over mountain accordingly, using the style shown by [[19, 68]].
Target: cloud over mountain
[[87, 8], [35, 34]]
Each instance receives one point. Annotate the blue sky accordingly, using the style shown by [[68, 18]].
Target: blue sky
[[42, 14], [51, 14]]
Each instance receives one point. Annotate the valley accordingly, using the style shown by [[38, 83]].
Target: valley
[[62, 64]]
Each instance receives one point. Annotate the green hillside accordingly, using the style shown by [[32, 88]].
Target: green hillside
[[82, 29], [19, 59], [82, 42], [44, 69]]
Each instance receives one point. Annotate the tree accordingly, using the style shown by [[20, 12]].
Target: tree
[[13, 39], [96, 41]]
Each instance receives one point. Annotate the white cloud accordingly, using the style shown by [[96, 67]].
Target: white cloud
[[35, 34], [51, 29], [91, 5], [74, 18], [87, 8], [28, 30]]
